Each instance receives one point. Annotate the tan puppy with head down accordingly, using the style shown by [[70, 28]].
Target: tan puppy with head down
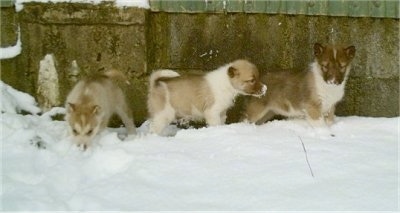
[[194, 97], [92, 102]]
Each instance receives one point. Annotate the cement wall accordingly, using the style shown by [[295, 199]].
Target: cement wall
[[137, 41], [96, 37]]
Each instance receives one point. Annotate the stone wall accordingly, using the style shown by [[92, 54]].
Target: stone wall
[[84, 39], [137, 41]]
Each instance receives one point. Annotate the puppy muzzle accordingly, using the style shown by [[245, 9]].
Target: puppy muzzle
[[262, 91]]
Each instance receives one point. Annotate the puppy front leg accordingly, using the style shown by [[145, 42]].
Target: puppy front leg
[[126, 116], [223, 117], [104, 122], [213, 118], [331, 116], [314, 115]]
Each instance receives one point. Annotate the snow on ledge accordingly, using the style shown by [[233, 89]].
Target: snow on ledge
[[12, 51], [118, 3], [13, 101]]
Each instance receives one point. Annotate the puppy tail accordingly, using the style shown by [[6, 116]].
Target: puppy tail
[[117, 75], [157, 75]]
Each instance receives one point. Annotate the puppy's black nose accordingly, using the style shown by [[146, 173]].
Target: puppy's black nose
[[82, 146]]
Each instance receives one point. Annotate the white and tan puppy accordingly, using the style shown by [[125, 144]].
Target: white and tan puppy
[[312, 93], [92, 102], [196, 97]]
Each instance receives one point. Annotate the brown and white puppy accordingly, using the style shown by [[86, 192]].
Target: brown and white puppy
[[312, 93], [206, 96], [92, 102]]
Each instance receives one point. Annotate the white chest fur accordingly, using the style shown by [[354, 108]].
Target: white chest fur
[[329, 94], [221, 88]]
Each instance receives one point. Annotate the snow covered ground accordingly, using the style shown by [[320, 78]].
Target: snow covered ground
[[232, 167]]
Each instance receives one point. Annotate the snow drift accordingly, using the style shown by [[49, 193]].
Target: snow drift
[[233, 167]]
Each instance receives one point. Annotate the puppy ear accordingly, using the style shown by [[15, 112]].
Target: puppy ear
[[318, 49], [350, 51], [232, 72], [96, 109], [71, 107]]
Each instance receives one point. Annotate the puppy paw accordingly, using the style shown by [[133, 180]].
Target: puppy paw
[[323, 133], [127, 137], [122, 136], [329, 121]]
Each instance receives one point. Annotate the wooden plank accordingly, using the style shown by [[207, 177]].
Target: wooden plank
[[214, 6], [255, 6], [392, 9], [377, 8], [338, 8], [354, 8], [6, 3], [296, 7], [155, 5], [358, 8], [236, 5]]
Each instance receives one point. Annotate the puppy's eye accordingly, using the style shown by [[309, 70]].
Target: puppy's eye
[[89, 132], [252, 81], [324, 67], [74, 132]]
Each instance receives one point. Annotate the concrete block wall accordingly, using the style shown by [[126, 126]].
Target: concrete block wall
[[95, 37], [137, 41]]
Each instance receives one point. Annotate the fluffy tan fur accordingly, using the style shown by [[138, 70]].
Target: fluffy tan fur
[[206, 96], [92, 102]]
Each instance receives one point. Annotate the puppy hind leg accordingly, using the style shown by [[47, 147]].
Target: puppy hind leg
[[160, 121], [158, 124]]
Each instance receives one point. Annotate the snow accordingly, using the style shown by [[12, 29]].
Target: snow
[[13, 101], [119, 3], [232, 167], [12, 51], [133, 3]]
